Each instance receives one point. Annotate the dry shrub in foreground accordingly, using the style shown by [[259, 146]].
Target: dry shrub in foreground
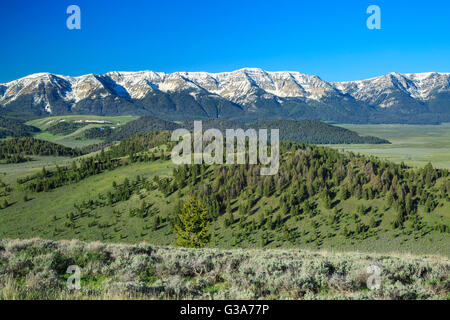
[[36, 269]]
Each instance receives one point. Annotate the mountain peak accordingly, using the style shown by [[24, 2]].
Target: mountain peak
[[246, 69], [248, 90]]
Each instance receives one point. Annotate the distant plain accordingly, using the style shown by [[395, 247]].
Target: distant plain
[[415, 145]]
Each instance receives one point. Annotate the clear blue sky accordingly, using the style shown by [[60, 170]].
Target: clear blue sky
[[328, 38]]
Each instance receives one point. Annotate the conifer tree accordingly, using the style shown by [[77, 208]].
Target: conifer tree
[[193, 228]]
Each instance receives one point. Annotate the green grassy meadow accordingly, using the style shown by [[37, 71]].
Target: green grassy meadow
[[43, 123], [11, 171], [76, 139], [415, 145]]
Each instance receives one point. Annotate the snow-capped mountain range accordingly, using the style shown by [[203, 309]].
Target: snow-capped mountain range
[[245, 94]]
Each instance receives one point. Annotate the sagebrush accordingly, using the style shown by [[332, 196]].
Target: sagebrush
[[36, 269]]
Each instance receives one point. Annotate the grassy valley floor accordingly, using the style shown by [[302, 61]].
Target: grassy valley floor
[[415, 145]]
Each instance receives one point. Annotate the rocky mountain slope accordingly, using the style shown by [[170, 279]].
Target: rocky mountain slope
[[246, 94]]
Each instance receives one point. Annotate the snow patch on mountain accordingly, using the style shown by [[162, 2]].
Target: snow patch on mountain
[[419, 86], [244, 86]]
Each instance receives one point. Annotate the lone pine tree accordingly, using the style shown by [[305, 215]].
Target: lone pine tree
[[192, 231]]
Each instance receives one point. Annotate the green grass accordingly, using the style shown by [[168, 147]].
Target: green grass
[[76, 138], [11, 171], [416, 145], [45, 216], [44, 123], [36, 216]]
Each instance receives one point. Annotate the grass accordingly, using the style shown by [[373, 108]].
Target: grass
[[45, 123], [11, 171], [415, 145], [76, 138], [45, 215], [37, 269], [36, 217]]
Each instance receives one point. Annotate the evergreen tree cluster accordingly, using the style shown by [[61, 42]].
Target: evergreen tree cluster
[[65, 127], [135, 147], [15, 128], [309, 175], [15, 149], [315, 132]]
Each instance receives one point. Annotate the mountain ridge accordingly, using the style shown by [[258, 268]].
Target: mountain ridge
[[249, 94]]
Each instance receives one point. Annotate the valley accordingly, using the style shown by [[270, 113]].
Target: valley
[[415, 145]]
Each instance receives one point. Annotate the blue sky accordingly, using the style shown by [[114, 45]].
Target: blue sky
[[328, 38]]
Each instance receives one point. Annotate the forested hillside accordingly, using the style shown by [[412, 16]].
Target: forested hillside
[[302, 131], [141, 125], [319, 198], [64, 127], [14, 149], [315, 132], [14, 128], [220, 124]]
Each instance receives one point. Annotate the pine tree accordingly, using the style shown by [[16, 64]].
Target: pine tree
[[229, 219], [264, 239], [343, 194], [429, 204], [228, 207], [156, 223], [327, 202], [193, 229], [142, 209], [409, 204], [372, 222], [5, 203]]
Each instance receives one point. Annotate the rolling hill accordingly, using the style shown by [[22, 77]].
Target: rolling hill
[[302, 131], [10, 127], [315, 132], [320, 198]]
